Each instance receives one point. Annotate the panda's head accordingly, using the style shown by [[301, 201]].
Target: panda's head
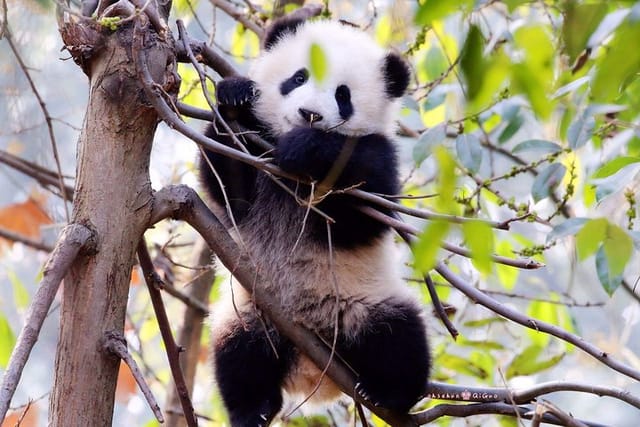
[[358, 94]]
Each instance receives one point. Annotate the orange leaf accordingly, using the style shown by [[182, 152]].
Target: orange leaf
[[127, 385], [24, 218], [30, 418]]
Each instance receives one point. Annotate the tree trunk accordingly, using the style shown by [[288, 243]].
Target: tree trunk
[[113, 198]]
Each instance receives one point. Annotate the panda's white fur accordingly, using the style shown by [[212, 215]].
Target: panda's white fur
[[310, 281], [350, 55]]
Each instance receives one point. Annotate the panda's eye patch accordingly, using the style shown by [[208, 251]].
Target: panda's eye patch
[[343, 99], [343, 94], [298, 78]]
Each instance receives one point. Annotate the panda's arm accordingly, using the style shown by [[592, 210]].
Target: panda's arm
[[235, 96], [368, 161]]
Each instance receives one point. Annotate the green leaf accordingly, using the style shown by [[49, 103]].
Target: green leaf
[[425, 250], [591, 236], [539, 145], [527, 363], [472, 62], [618, 247], [614, 166], [547, 181], [20, 293], [318, 63], [580, 131], [469, 151], [480, 344], [433, 10], [7, 342], [533, 76], [430, 138], [580, 21], [566, 228], [609, 283], [514, 126], [446, 183], [507, 275], [619, 65], [461, 365], [481, 323], [479, 238]]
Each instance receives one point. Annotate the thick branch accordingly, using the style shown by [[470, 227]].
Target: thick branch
[[74, 238]]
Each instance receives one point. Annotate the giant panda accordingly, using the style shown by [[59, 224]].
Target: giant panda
[[340, 277]]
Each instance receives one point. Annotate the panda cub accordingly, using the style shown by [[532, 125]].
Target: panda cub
[[337, 277]]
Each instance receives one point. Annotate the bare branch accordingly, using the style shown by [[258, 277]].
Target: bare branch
[[73, 239], [47, 116], [114, 342], [173, 351], [15, 237], [239, 16], [463, 411], [527, 264]]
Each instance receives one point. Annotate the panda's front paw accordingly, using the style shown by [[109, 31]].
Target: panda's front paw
[[235, 91], [364, 395]]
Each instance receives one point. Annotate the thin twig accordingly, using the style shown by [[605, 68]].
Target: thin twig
[[535, 324], [16, 237], [73, 239], [173, 351], [47, 117], [527, 264], [115, 342]]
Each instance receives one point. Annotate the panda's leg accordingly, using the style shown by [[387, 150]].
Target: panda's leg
[[249, 373], [391, 356]]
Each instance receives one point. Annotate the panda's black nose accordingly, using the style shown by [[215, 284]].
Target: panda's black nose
[[310, 116]]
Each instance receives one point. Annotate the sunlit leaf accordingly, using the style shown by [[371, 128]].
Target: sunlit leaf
[[461, 365], [7, 341], [426, 249], [20, 294], [618, 247], [479, 238], [619, 64], [591, 236], [483, 322], [528, 363], [614, 166], [318, 62], [507, 275], [533, 76], [446, 183], [547, 180], [432, 10]]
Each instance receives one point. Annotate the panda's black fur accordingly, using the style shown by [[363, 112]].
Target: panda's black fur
[[345, 120]]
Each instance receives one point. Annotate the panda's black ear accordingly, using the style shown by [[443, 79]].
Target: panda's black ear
[[279, 29], [396, 75]]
